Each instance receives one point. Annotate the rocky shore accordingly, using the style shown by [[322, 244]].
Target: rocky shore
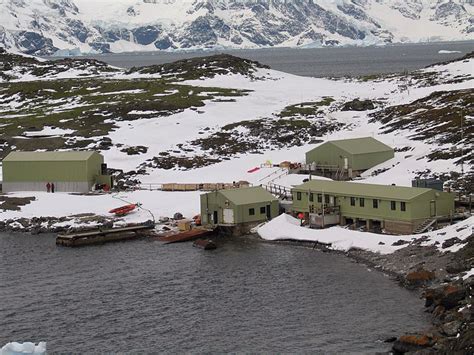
[[447, 287], [443, 281]]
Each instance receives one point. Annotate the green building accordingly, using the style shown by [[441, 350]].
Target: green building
[[395, 209], [356, 154], [73, 171], [248, 205]]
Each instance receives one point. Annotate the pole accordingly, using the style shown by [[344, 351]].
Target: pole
[[323, 208]]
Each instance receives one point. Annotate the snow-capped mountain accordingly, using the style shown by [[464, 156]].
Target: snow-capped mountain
[[45, 26]]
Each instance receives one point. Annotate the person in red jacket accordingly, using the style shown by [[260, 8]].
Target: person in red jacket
[[48, 187]]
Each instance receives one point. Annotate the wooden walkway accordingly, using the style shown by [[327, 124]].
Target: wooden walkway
[[155, 186], [101, 235]]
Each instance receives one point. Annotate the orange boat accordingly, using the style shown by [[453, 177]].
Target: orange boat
[[124, 210]]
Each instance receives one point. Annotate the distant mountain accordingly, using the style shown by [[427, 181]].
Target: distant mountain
[[45, 26]]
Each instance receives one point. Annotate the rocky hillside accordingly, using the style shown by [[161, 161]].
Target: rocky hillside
[[45, 26]]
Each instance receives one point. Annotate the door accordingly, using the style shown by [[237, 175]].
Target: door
[[228, 216], [269, 212], [433, 208], [215, 219]]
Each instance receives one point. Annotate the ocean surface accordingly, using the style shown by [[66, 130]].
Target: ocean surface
[[318, 62], [246, 296]]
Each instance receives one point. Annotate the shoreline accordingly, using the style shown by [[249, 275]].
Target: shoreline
[[434, 275], [447, 296]]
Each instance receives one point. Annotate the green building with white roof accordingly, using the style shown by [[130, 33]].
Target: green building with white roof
[[72, 171], [248, 205], [395, 209]]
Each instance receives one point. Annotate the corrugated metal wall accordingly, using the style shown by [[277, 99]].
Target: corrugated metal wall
[[26, 171], [59, 186]]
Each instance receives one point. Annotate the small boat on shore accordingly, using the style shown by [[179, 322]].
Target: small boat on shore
[[205, 244], [186, 236], [124, 210]]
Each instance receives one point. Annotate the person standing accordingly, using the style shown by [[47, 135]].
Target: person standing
[[48, 187], [52, 187]]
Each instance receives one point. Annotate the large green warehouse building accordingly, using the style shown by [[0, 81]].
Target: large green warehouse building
[[242, 206], [73, 171], [395, 209], [357, 154]]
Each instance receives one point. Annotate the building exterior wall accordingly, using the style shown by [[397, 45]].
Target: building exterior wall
[[416, 211], [59, 186], [31, 171], [94, 166], [67, 175], [443, 204], [401, 227], [328, 154], [369, 160], [217, 202], [245, 216]]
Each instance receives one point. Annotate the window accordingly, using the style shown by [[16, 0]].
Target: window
[[326, 198], [298, 196], [393, 205], [311, 197], [361, 202], [252, 211], [320, 198], [403, 206], [263, 210], [353, 201], [375, 203]]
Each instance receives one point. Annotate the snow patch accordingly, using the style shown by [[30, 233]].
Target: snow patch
[[285, 227]]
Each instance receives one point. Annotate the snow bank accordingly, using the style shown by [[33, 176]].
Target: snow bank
[[286, 227], [15, 348]]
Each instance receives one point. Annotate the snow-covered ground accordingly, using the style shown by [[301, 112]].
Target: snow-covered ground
[[267, 98], [285, 227]]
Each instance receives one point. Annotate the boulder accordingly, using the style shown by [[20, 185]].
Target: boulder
[[412, 342], [358, 105], [456, 266], [452, 328], [451, 296], [450, 242], [419, 278], [447, 296], [177, 216]]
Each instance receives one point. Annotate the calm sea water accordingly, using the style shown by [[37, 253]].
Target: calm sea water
[[318, 62], [246, 296]]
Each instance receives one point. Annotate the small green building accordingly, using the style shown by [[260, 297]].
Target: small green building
[[73, 171], [395, 209], [248, 205], [357, 154]]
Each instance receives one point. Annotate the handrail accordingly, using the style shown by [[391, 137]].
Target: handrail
[[272, 173]]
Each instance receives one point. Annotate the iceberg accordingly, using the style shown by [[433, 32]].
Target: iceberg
[[67, 52], [15, 348], [443, 51]]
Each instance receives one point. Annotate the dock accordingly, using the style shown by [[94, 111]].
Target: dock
[[190, 235], [100, 236]]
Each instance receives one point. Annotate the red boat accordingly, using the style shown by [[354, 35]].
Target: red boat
[[124, 210]]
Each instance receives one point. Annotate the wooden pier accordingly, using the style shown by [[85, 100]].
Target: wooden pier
[[100, 236]]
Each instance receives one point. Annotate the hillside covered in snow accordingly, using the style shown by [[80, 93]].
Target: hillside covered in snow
[[213, 119], [43, 27]]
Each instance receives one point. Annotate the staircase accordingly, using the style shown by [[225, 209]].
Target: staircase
[[425, 226]]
